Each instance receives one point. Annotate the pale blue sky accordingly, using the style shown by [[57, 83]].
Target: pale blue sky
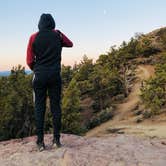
[[92, 25]]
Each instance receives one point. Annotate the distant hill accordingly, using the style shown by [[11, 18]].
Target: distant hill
[[7, 72], [4, 73]]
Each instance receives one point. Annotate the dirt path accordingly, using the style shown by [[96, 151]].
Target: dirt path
[[143, 72]]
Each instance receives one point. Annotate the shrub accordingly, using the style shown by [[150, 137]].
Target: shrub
[[100, 117]]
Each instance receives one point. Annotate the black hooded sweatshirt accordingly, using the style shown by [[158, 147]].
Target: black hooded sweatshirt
[[45, 46]]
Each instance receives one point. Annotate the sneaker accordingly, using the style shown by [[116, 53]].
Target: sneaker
[[56, 143], [41, 146]]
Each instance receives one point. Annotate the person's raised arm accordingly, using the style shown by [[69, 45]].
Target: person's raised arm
[[66, 42]]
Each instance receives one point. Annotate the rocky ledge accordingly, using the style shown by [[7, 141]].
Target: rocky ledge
[[111, 150]]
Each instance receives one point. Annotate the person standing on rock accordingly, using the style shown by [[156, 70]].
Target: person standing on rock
[[44, 59]]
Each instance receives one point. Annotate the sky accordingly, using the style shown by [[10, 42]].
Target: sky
[[93, 25]]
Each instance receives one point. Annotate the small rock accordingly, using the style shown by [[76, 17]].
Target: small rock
[[139, 120]]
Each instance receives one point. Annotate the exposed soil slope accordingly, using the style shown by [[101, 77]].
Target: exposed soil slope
[[124, 110]]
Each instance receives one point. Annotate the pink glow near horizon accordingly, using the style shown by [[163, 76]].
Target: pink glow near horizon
[[6, 66]]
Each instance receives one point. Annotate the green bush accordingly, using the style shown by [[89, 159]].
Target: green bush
[[100, 117]]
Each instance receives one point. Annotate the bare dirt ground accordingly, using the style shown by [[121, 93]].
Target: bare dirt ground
[[124, 121]]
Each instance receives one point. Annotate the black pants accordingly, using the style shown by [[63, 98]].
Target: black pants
[[43, 82]]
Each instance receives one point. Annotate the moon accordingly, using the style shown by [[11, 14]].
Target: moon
[[104, 12]]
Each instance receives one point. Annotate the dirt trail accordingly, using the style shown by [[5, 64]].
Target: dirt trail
[[143, 72]]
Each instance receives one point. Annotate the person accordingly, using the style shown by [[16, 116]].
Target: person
[[44, 59]]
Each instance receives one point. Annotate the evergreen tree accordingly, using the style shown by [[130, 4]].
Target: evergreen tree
[[16, 106], [71, 119], [153, 94]]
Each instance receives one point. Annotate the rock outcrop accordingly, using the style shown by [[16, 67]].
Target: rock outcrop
[[110, 150]]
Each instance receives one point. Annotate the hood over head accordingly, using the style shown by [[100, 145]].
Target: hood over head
[[46, 22]]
